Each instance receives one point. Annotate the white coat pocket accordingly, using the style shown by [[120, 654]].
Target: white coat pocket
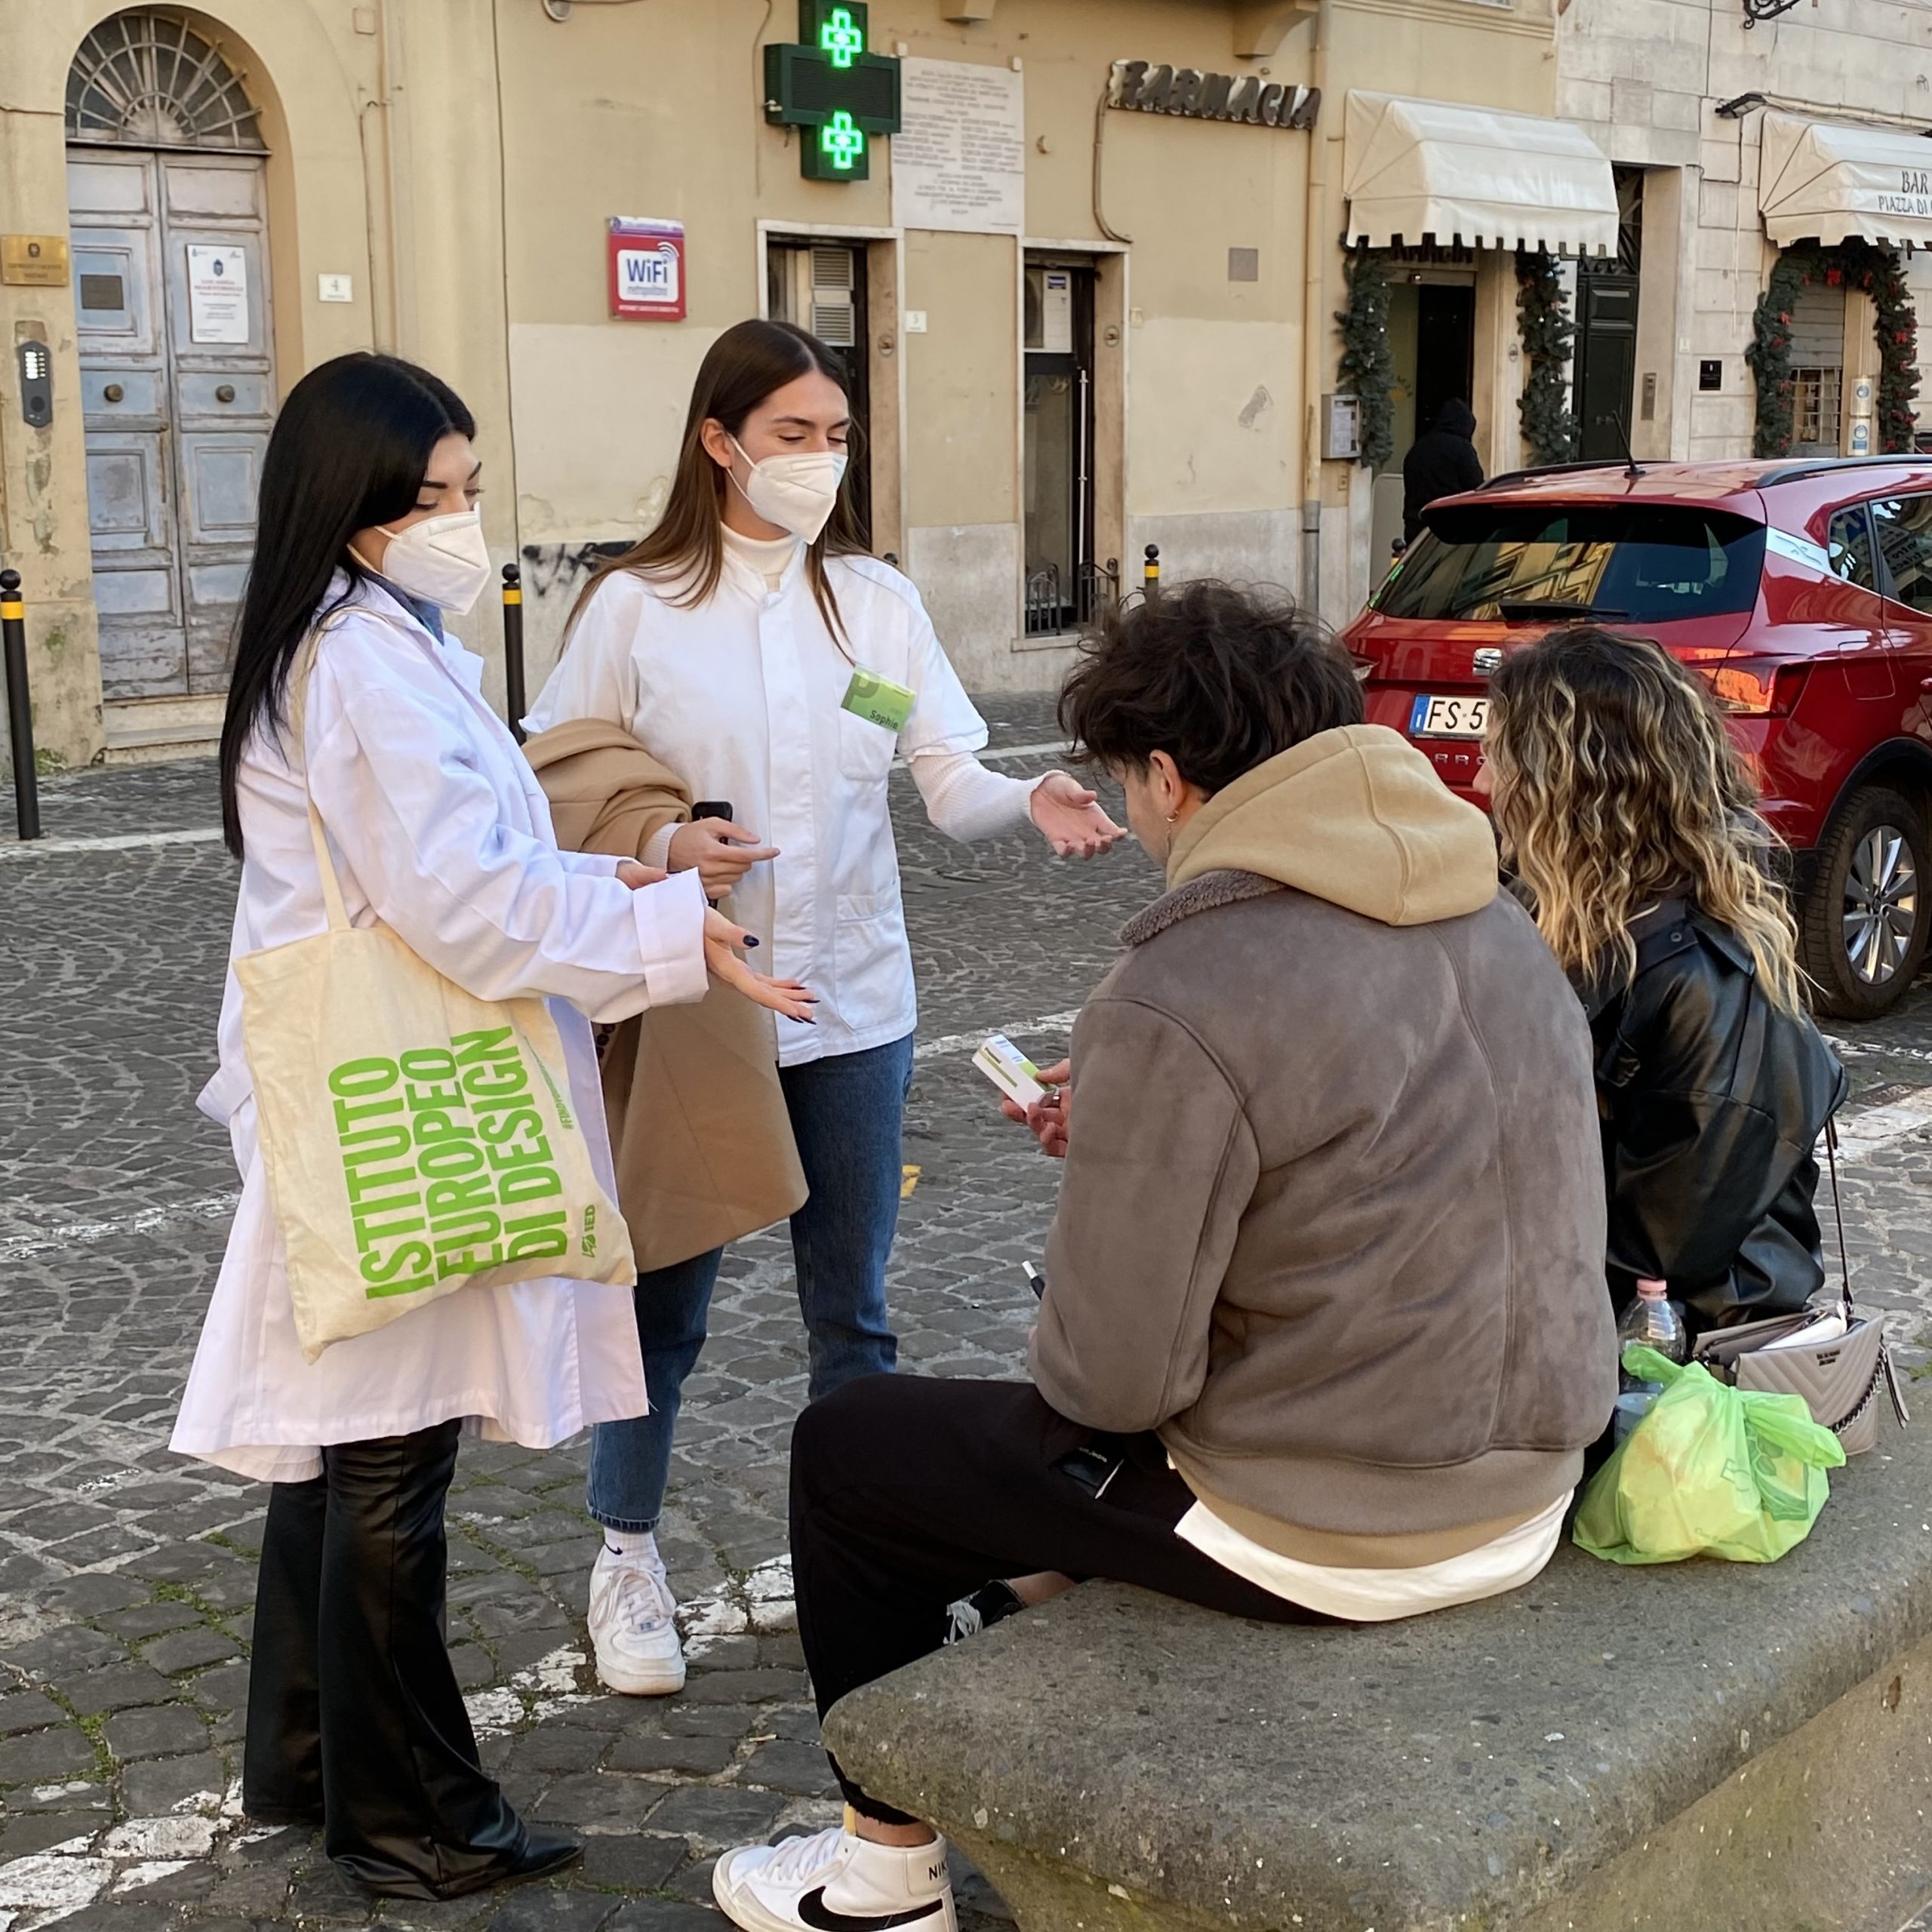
[[864, 749]]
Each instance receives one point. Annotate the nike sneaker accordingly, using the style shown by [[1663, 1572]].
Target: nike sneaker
[[836, 1881], [991, 1604], [633, 1624]]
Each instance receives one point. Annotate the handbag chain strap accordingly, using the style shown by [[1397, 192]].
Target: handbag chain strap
[[1837, 1212], [1886, 1368]]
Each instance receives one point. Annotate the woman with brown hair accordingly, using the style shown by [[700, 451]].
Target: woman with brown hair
[[1632, 823], [750, 645]]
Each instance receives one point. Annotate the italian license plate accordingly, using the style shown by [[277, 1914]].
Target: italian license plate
[[1448, 717]]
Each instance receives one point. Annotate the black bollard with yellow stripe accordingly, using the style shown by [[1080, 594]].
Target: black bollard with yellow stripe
[[1150, 571], [20, 705], [515, 700]]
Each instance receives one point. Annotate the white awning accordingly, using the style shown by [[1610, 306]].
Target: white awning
[[1473, 175], [1818, 182]]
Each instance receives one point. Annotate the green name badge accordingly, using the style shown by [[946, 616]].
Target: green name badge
[[878, 701]]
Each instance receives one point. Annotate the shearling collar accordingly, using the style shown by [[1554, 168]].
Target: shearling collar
[[1201, 894]]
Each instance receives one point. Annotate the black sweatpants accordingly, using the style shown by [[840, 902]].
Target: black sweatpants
[[354, 1716], [908, 1493]]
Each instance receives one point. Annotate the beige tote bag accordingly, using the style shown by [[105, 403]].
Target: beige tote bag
[[416, 1140]]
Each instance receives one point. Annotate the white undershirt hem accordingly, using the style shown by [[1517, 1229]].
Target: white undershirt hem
[[1517, 1557]]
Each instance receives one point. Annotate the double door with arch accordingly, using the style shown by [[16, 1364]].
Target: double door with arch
[[177, 382]]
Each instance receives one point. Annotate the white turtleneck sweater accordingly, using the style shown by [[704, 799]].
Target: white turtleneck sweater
[[962, 798]]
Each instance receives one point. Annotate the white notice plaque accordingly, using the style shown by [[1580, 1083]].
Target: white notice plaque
[[217, 294], [959, 159]]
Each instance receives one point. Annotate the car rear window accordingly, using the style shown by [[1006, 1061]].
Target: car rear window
[[1629, 563]]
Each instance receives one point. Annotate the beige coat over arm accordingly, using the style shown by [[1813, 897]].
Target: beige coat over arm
[[699, 1133]]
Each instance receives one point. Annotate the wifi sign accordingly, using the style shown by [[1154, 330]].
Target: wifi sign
[[647, 268]]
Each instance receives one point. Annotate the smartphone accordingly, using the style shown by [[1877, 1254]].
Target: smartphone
[[1093, 1469], [1010, 1070]]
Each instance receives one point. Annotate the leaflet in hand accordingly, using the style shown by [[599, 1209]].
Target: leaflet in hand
[[1010, 1070]]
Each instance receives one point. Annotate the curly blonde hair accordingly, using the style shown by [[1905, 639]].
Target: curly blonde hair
[[1616, 786]]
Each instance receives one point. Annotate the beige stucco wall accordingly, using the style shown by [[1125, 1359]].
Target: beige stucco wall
[[306, 67], [459, 161], [1647, 77]]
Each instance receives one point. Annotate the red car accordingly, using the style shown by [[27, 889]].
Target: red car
[[1802, 590]]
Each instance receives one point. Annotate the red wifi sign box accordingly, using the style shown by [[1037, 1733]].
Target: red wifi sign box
[[647, 268]]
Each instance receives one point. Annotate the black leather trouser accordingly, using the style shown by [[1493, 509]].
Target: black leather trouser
[[354, 1713]]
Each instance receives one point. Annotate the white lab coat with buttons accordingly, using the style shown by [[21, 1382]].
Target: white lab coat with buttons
[[740, 696], [439, 830]]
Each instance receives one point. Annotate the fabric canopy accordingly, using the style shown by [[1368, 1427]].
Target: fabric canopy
[[1818, 182], [1473, 175]]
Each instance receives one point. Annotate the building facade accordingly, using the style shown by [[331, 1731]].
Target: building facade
[[1086, 293], [1751, 138]]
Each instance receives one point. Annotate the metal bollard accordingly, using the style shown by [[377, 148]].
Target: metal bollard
[[1150, 571], [515, 700], [19, 706]]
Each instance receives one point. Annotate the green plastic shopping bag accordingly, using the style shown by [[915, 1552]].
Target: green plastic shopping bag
[[1710, 1471]]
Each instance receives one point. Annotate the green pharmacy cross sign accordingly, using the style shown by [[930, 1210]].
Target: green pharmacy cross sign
[[831, 87]]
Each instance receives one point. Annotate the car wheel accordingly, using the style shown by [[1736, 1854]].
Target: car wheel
[[1863, 926]]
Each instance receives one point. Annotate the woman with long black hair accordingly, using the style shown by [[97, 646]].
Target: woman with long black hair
[[750, 644], [436, 828]]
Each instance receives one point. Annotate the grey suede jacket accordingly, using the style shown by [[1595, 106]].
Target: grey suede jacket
[[1332, 1220]]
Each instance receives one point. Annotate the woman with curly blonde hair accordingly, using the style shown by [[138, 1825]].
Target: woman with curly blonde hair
[[1630, 821]]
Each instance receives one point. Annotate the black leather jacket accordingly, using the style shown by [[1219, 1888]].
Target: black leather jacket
[[1712, 1100]]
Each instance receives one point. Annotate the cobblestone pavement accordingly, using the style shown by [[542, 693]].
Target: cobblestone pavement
[[126, 1574]]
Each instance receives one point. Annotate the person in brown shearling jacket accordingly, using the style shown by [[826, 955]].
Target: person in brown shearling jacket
[[1324, 1335]]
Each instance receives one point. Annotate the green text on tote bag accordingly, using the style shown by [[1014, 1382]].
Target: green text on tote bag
[[446, 1164]]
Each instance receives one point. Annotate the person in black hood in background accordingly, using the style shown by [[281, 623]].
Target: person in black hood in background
[[1439, 464]]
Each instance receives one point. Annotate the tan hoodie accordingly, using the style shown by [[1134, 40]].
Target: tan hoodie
[[1332, 1220], [1355, 816]]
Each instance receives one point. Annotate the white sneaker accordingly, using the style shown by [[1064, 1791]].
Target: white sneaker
[[633, 1624], [835, 1882]]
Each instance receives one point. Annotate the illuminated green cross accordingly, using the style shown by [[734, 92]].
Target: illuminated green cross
[[841, 141], [829, 85], [840, 39]]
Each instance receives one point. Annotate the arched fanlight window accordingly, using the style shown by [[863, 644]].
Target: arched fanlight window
[[149, 80]]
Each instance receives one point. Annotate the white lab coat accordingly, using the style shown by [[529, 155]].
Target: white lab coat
[[740, 696], [439, 829]]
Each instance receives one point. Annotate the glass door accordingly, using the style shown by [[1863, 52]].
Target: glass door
[[1062, 583]]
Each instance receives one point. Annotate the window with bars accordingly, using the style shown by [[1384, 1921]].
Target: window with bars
[[1814, 409], [148, 79]]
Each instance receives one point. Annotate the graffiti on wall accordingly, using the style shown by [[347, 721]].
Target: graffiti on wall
[[554, 569]]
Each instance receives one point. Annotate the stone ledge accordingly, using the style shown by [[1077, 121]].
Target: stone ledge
[[1539, 1762]]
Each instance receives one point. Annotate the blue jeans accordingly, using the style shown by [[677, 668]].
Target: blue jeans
[[848, 1117]]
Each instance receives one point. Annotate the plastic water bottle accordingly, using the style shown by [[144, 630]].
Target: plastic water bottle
[[1656, 1321]]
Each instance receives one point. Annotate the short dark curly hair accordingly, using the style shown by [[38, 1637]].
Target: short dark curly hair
[[1221, 677]]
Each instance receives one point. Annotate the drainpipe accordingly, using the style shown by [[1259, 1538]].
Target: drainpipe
[[1314, 325]]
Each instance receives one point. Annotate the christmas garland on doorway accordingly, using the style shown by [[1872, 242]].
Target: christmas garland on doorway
[[1872, 271], [1544, 323], [1367, 368]]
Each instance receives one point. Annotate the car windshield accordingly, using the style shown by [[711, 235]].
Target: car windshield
[[1633, 563]]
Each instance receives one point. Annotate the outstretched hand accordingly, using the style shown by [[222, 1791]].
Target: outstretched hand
[[793, 997], [721, 938], [1070, 819]]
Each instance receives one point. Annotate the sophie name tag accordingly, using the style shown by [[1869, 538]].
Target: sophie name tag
[[878, 701]]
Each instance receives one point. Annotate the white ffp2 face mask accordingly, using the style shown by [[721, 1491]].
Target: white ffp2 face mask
[[443, 559], [797, 492]]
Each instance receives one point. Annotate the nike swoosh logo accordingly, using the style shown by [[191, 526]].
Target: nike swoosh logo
[[813, 1910]]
